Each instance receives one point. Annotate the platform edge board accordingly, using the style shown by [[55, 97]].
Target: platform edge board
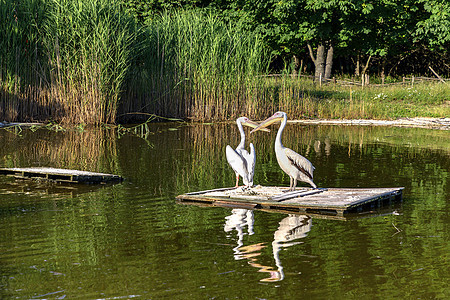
[[397, 192], [327, 216]]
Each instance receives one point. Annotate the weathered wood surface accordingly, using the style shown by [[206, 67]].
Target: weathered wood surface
[[328, 201], [60, 175]]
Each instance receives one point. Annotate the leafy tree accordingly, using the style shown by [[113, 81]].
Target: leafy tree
[[434, 28], [388, 32], [143, 9]]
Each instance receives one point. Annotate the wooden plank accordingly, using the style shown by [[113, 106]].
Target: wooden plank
[[213, 190], [60, 175], [296, 194]]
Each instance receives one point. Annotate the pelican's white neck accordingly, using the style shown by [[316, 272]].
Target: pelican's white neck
[[280, 131], [241, 131]]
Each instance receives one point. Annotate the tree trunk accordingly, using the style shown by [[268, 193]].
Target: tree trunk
[[311, 53], [367, 65], [301, 67], [357, 66], [329, 63], [383, 68], [296, 64], [319, 60]]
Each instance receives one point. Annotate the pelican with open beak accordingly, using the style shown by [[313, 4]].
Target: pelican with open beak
[[292, 163]]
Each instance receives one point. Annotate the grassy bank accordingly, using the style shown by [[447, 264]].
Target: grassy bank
[[302, 98], [89, 62]]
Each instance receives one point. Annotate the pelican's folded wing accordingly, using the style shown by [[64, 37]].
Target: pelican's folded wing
[[303, 164], [250, 159], [236, 162]]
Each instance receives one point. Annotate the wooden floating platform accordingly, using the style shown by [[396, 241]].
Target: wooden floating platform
[[328, 201], [60, 175]]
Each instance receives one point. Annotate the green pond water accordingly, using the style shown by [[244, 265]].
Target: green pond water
[[133, 240]]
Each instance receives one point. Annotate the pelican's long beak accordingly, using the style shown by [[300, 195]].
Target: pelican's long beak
[[254, 125], [266, 123]]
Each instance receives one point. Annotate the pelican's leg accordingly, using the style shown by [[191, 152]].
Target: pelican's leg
[[295, 184], [237, 181], [290, 184]]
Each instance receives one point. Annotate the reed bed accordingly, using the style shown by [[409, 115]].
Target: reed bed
[[19, 53], [196, 66], [89, 45], [64, 60]]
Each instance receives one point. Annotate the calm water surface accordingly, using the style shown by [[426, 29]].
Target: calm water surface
[[133, 240]]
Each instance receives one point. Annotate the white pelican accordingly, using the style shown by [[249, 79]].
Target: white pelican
[[243, 162], [292, 163]]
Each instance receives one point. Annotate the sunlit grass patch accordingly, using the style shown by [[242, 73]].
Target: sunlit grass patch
[[303, 98], [422, 99]]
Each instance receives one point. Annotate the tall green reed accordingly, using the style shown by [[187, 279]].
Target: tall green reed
[[20, 53], [64, 60], [89, 45], [196, 65]]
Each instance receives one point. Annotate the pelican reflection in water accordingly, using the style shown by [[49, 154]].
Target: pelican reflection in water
[[239, 220], [290, 229], [243, 162], [292, 163]]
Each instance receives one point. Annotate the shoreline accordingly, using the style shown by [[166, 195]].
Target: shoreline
[[418, 122]]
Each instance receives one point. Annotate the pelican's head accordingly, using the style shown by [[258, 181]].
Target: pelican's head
[[276, 117], [247, 122]]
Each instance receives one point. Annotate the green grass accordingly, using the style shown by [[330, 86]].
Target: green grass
[[420, 100], [89, 44], [302, 98]]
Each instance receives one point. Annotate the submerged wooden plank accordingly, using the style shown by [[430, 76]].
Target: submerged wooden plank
[[331, 200], [60, 175]]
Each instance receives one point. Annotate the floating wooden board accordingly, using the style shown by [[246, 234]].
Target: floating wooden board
[[331, 201], [60, 175]]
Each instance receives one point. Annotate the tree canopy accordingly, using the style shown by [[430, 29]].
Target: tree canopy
[[388, 31]]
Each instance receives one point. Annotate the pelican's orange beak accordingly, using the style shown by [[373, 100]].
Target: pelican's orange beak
[[254, 125], [267, 122]]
